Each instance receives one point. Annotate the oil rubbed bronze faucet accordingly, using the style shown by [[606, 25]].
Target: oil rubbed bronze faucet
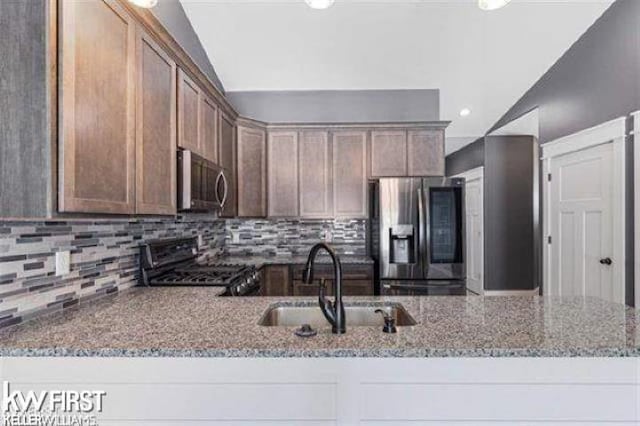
[[334, 312]]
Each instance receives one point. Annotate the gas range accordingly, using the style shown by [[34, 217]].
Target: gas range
[[175, 263]]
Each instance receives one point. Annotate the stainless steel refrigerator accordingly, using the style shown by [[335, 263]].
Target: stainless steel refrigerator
[[416, 236]]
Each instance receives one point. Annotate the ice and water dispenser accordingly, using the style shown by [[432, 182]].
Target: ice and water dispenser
[[402, 244]]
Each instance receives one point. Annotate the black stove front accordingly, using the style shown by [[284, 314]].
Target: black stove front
[[175, 263]]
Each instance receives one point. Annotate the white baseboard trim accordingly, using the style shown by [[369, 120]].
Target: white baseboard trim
[[534, 292]]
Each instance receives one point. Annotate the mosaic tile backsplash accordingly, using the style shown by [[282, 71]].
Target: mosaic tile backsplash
[[272, 237], [104, 259]]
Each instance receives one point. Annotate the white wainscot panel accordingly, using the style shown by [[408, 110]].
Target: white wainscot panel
[[346, 391]]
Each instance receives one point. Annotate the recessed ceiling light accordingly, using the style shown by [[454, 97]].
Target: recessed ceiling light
[[465, 112], [147, 4], [320, 4], [492, 4]]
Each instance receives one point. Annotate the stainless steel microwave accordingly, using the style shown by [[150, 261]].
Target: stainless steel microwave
[[203, 186]]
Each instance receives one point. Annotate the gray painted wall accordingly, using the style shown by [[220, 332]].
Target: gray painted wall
[[467, 158], [344, 106], [630, 221], [511, 214], [172, 15], [25, 146], [597, 79]]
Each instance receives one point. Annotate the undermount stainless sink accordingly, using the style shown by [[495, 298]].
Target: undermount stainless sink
[[357, 315]]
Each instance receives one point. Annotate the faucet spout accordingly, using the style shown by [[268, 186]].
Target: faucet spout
[[333, 312]]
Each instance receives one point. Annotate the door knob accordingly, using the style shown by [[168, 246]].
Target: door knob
[[606, 261]]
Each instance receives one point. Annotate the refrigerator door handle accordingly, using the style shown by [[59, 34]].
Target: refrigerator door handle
[[422, 234]]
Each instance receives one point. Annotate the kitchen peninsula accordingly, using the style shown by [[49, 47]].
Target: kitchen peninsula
[[189, 353]]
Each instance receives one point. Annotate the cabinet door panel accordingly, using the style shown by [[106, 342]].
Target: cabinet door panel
[[227, 154], [388, 153], [98, 108], [282, 166], [188, 114], [276, 281], [315, 175], [350, 174], [209, 129], [425, 150], [300, 288], [252, 177], [358, 287], [155, 130], [227, 157]]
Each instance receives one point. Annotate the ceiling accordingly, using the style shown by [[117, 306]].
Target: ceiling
[[479, 60]]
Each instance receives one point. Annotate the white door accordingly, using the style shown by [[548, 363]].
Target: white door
[[581, 226], [474, 221]]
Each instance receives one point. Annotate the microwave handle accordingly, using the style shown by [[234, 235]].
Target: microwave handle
[[226, 189]]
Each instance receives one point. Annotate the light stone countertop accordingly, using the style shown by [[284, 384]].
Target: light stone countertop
[[195, 322]]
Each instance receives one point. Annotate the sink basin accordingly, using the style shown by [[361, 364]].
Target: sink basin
[[357, 315]]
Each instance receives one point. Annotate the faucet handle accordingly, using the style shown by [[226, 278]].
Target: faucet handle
[[389, 322]]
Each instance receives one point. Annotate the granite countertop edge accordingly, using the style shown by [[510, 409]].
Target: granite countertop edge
[[323, 353]]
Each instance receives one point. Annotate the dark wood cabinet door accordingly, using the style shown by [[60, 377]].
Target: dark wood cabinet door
[[188, 114], [358, 287], [425, 153], [276, 281], [209, 128], [97, 164], [388, 153], [316, 199], [350, 174], [155, 129], [252, 176], [282, 176], [349, 288], [227, 159], [300, 288]]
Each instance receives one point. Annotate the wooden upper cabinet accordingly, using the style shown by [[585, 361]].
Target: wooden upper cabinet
[[97, 164], [350, 174], [315, 175], [252, 172], [188, 114], [282, 176], [227, 146], [425, 150], [388, 153], [227, 159], [155, 129], [208, 128]]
